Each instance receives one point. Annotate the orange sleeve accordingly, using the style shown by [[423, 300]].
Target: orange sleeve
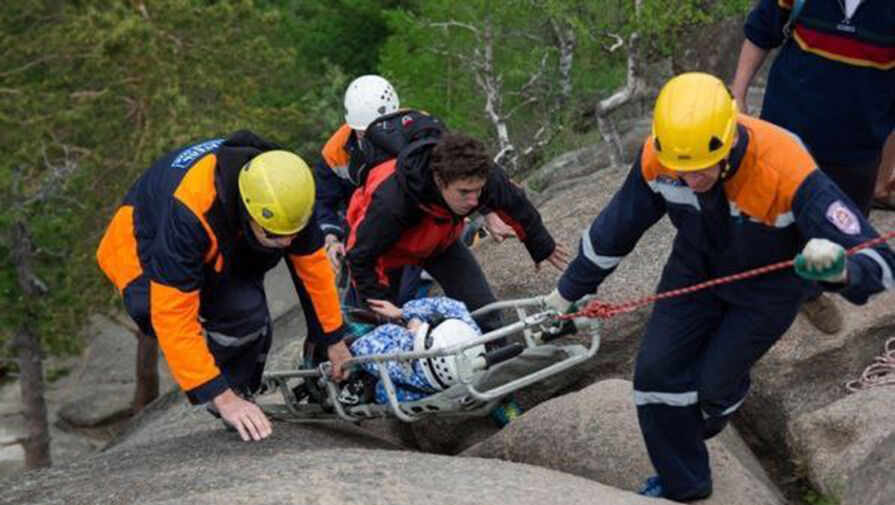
[[319, 281], [175, 319], [334, 152], [117, 252]]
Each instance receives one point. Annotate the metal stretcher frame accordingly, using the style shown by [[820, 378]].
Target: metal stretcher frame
[[463, 398]]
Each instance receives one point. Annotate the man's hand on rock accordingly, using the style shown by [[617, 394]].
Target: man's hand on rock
[[245, 416]]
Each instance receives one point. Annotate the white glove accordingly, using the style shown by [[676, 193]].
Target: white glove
[[556, 302], [822, 260]]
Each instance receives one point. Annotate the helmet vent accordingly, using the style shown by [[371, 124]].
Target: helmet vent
[[657, 144], [266, 213], [715, 144]]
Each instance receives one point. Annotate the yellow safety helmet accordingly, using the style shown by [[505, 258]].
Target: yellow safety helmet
[[277, 188], [694, 122]]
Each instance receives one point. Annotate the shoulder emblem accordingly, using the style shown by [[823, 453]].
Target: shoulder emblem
[[843, 218]]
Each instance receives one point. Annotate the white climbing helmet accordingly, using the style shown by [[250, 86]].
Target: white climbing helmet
[[442, 372], [367, 98]]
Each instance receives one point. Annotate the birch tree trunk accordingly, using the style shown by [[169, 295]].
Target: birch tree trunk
[[635, 87]]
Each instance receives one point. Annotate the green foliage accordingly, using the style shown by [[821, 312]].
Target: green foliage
[[812, 497], [103, 87], [53, 374], [662, 21], [344, 33], [431, 55]]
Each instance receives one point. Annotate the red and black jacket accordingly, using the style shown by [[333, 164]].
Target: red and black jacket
[[399, 218]]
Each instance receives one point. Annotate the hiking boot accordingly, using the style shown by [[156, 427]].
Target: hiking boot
[[823, 314], [652, 487]]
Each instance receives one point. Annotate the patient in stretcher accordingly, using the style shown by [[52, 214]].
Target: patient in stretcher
[[420, 325]]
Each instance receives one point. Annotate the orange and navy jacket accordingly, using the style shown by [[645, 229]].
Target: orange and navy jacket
[[183, 226], [334, 187], [770, 201], [833, 81], [398, 218]]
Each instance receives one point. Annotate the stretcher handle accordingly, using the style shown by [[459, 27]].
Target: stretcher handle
[[502, 354], [566, 327]]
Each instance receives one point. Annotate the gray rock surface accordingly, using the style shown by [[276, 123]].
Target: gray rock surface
[[288, 473], [711, 49], [594, 434], [175, 453], [872, 483], [571, 168], [99, 392], [12, 427], [65, 445], [836, 441], [281, 295]]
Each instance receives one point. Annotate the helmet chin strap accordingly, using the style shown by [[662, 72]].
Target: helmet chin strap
[[725, 169]]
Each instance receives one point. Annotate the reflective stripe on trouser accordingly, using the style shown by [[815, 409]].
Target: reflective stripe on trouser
[[692, 372], [241, 359], [228, 341]]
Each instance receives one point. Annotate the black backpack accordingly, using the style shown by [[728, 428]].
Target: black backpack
[[388, 136]]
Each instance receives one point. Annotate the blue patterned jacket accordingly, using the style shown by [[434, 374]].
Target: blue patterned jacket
[[410, 382]]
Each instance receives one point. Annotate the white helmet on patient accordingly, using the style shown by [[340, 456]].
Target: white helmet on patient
[[442, 371], [367, 98]]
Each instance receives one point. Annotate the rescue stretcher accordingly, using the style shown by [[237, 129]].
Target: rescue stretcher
[[484, 381]]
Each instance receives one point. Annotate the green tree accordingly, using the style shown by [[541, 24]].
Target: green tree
[[109, 86], [495, 69], [345, 33], [437, 57]]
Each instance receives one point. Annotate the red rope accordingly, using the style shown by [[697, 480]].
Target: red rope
[[604, 310]]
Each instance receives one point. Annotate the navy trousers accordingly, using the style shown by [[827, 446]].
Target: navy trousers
[[692, 369]]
